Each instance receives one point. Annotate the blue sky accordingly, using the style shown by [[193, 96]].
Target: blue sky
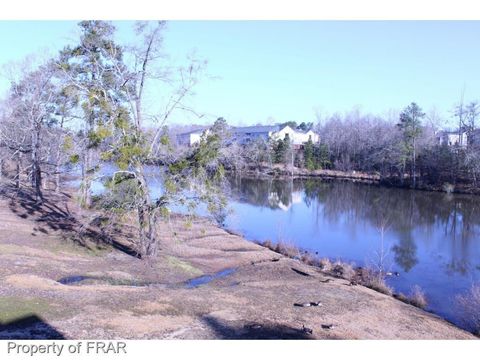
[[287, 70]]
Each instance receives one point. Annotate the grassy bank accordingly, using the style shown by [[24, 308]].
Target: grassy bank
[[365, 276]]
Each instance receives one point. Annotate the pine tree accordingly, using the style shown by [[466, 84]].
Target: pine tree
[[410, 125], [308, 153], [90, 70]]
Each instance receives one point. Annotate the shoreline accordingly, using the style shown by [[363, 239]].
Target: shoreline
[[241, 290]]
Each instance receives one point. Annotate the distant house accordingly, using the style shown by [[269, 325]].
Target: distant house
[[246, 134], [191, 137], [275, 132], [297, 137], [452, 138]]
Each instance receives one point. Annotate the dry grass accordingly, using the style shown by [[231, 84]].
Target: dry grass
[[402, 297], [374, 280], [268, 244], [469, 305], [310, 260], [283, 248], [325, 264], [343, 270], [417, 297], [287, 250]]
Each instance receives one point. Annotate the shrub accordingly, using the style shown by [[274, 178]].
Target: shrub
[[343, 270], [287, 250], [417, 297], [469, 304], [310, 260], [402, 297], [268, 244], [282, 247], [374, 280], [325, 264]]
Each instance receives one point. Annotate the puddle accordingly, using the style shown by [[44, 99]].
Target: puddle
[[205, 279], [189, 284], [76, 279], [69, 280]]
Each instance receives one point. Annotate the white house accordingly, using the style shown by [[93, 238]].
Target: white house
[[191, 137], [452, 138], [246, 134], [297, 137]]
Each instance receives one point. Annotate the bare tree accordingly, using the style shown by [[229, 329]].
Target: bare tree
[[31, 104], [472, 113]]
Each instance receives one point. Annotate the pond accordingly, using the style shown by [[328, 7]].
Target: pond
[[431, 239]]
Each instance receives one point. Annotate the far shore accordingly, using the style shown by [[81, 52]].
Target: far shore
[[206, 283], [281, 172]]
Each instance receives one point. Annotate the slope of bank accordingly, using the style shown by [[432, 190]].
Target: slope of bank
[[205, 284]]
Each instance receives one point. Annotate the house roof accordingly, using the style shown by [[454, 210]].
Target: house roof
[[198, 130], [255, 129], [304, 131], [450, 132], [248, 129]]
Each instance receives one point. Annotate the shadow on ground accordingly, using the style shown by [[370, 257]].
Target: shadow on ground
[[53, 214], [255, 331], [30, 327]]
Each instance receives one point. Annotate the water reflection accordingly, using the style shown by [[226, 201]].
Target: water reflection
[[412, 216], [406, 253]]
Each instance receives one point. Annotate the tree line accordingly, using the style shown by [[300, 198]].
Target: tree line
[[402, 148]]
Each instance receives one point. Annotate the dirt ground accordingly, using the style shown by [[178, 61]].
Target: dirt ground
[[123, 297]]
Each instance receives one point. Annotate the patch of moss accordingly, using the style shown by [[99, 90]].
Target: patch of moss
[[70, 246], [53, 247], [14, 308], [164, 309], [12, 249], [182, 265]]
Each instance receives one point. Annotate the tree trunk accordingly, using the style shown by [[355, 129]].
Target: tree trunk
[[146, 218], [36, 170], [57, 171], [403, 168], [18, 170], [148, 241], [413, 165], [86, 198]]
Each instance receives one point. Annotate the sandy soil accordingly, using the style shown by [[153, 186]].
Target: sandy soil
[[125, 297]]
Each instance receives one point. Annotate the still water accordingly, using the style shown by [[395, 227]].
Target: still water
[[431, 239]]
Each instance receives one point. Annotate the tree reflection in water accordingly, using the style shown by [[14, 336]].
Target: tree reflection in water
[[413, 215]]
